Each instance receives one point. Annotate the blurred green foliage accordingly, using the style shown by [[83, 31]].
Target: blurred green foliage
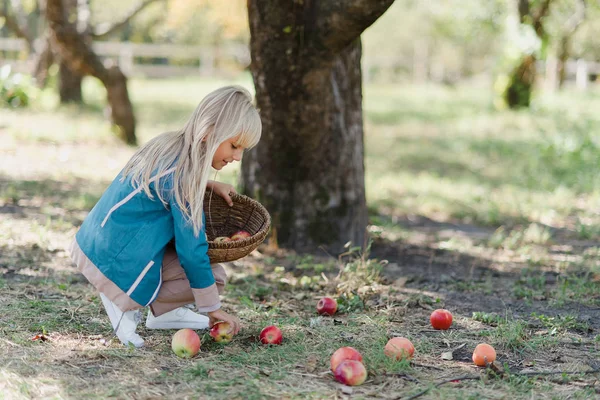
[[16, 90]]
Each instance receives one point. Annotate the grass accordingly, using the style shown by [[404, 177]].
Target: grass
[[493, 215]]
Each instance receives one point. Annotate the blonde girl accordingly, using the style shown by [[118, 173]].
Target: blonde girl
[[144, 244]]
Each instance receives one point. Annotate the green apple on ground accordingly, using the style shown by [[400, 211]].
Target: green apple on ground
[[220, 332], [343, 354], [351, 373], [185, 343]]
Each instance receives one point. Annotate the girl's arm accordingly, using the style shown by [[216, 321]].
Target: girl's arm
[[222, 189], [192, 252]]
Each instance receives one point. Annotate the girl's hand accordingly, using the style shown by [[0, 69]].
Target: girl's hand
[[222, 189], [220, 315]]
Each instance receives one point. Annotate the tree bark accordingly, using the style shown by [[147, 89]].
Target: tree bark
[[76, 52], [308, 169], [519, 90], [69, 81], [518, 93], [69, 85]]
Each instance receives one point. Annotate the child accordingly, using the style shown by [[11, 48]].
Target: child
[[125, 245]]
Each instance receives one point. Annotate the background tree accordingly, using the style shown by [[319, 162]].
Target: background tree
[[73, 49], [309, 168], [80, 11], [570, 16], [518, 92]]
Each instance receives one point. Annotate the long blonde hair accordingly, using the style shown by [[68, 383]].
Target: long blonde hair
[[222, 115]]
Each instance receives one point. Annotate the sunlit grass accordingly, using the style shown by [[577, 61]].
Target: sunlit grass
[[444, 152]]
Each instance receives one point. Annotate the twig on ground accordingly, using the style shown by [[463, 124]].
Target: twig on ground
[[426, 366], [473, 377]]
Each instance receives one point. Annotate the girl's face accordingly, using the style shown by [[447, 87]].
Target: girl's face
[[227, 152]]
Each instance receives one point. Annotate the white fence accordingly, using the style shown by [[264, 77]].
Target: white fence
[[167, 60]]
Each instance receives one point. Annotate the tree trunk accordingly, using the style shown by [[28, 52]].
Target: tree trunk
[[308, 169], [69, 85], [76, 52], [563, 57], [43, 61], [69, 81], [518, 92], [522, 79]]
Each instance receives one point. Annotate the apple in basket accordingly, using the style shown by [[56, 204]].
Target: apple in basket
[[239, 235], [222, 239]]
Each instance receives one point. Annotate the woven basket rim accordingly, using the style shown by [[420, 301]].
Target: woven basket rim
[[259, 236]]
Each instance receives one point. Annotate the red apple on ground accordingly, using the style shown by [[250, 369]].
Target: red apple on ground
[[220, 332], [351, 373], [399, 348], [271, 335], [441, 319], [343, 354], [239, 235], [327, 306], [185, 343], [222, 239]]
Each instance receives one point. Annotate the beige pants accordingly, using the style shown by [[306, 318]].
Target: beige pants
[[176, 290]]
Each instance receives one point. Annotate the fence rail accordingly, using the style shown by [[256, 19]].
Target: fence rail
[[167, 60]]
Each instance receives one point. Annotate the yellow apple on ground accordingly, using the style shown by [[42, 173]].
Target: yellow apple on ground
[[220, 332], [185, 343]]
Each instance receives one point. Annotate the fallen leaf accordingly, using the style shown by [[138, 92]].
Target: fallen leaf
[[447, 355]]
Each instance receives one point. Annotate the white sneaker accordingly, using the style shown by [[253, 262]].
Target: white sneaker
[[179, 318], [124, 323]]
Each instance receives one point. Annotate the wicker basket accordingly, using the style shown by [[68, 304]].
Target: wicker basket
[[222, 220]]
